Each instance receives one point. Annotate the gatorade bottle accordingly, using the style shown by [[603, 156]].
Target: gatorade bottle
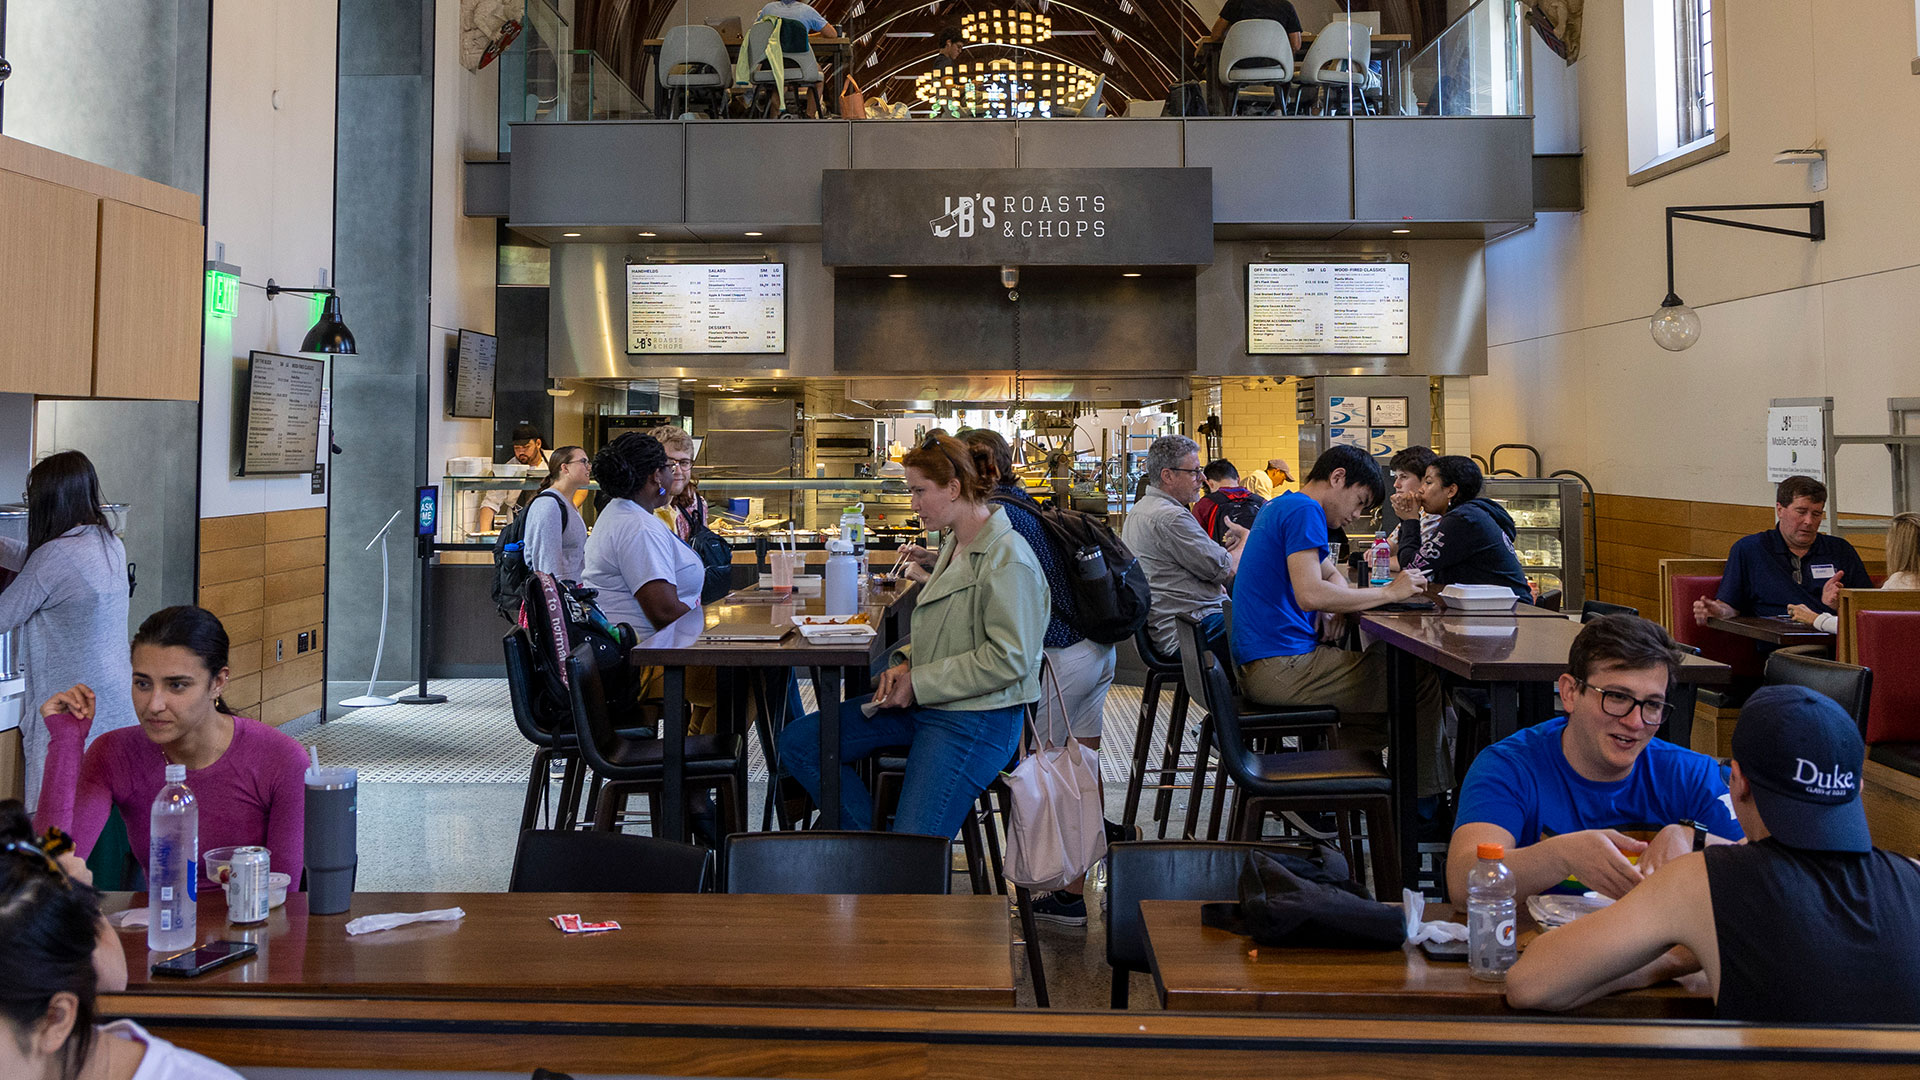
[[1490, 916], [173, 866], [1379, 561]]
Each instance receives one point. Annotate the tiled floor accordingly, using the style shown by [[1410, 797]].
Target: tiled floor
[[441, 789]]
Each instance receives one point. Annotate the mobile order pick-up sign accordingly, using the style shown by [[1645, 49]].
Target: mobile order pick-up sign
[[1796, 443]]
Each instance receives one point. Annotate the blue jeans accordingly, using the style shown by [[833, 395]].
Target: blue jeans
[[955, 754]]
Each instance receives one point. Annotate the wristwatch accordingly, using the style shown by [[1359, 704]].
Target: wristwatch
[[1699, 834]]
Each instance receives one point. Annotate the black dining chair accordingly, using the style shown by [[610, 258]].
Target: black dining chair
[[1850, 685], [1348, 782], [822, 861], [624, 766], [1594, 609], [547, 861], [1161, 670], [1174, 870]]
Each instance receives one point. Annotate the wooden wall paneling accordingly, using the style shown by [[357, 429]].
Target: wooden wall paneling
[[57, 168], [1892, 800], [147, 331], [48, 238], [295, 525], [265, 576]]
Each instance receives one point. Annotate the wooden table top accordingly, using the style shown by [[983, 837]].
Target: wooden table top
[[878, 950], [1773, 629], [1197, 967], [1502, 648], [679, 642]]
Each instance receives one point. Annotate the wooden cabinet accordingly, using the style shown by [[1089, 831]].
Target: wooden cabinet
[[48, 238], [146, 341]]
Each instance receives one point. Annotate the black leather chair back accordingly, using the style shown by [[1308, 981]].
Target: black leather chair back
[[591, 722], [1682, 697], [1847, 684], [862, 863], [1206, 676], [1152, 657], [1175, 870], [572, 861], [1594, 609], [538, 728]]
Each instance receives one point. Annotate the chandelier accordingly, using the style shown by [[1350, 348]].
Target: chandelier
[[1006, 88], [1005, 27]]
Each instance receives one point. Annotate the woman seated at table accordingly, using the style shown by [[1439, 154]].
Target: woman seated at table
[[1473, 542], [645, 576], [57, 953], [247, 777], [1903, 572], [957, 693]]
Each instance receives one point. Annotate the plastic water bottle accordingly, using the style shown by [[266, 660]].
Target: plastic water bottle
[[1490, 916], [1379, 561], [840, 589], [173, 866], [853, 526]]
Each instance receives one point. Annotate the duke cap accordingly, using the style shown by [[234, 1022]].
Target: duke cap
[[1803, 756]]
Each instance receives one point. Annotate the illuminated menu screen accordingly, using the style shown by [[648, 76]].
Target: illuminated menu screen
[[706, 308], [1338, 308], [283, 414]]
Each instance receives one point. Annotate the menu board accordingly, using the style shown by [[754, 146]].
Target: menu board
[[472, 382], [1331, 308], [713, 308], [283, 413]]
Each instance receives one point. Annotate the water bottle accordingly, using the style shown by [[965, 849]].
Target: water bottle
[[853, 525], [1379, 561], [173, 866], [840, 590], [1490, 916]]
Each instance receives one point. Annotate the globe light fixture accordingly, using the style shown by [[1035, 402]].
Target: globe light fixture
[[1676, 327]]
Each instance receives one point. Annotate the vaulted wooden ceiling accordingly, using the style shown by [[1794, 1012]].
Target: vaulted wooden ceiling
[[1143, 47]]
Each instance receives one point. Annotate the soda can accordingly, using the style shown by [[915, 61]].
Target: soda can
[[248, 898]]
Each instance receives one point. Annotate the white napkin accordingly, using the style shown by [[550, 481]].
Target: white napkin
[[131, 917], [367, 924], [1418, 931]]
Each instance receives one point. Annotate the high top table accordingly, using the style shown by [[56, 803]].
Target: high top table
[[1502, 650], [679, 645], [872, 950]]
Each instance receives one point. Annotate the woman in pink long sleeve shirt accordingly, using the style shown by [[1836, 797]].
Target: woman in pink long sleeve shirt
[[247, 778]]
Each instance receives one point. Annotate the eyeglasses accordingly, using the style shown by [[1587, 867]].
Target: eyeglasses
[[680, 463], [1620, 706], [1195, 473]]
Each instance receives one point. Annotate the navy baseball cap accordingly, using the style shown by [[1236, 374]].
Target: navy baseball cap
[[1803, 756]]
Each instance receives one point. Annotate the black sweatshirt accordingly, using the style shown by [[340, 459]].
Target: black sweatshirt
[[1473, 545]]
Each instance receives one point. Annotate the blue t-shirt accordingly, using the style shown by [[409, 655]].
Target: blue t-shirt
[[1267, 620], [1524, 784], [1759, 580]]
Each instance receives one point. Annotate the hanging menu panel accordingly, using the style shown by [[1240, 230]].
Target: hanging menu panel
[[1327, 308], [710, 308]]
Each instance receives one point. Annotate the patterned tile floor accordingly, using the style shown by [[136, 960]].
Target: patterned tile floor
[[471, 739]]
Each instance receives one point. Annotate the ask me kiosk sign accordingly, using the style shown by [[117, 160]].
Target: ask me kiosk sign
[[1017, 217]]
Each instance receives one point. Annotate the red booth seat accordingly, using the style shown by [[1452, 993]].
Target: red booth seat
[[1889, 643], [1732, 650]]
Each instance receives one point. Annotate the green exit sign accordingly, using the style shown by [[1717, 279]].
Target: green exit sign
[[223, 294]]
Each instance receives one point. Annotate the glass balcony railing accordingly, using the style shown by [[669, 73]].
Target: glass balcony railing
[[1475, 68], [599, 94]]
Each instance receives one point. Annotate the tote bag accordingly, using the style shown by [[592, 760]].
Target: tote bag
[[1058, 826]]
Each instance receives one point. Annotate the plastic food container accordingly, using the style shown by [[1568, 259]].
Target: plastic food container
[[467, 466], [1479, 597]]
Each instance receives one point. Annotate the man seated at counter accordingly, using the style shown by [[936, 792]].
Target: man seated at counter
[[1279, 11], [1566, 797], [1288, 580], [1187, 571], [1807, 923], [528, 450], [1791, 563], [1266, 482], [1225, 502], [1473, 542]]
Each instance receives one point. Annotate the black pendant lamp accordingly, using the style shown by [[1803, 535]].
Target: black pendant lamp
[[330, 333]]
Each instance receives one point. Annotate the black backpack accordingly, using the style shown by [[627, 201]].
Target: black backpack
[[560, 617], [1186, 99], [510, 571], [1112, 602], [1237, 505]]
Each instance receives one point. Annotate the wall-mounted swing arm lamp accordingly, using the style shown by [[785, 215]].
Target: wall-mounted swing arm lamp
[[330, 333], [1676, 326]]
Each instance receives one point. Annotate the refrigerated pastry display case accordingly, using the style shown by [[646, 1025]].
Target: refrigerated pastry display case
[[1549, 533]]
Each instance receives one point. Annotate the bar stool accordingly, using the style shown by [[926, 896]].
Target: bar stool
[[1349, 782], [1161, 670], [548, 725]]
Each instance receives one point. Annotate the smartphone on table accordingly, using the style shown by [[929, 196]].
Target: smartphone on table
[[199, 961]]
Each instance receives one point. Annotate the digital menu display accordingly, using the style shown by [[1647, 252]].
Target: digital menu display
[[713, 308], [283, 414], [472, 382], [1334, 308]]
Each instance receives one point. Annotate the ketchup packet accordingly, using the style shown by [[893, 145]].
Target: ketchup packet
[[572, 924]]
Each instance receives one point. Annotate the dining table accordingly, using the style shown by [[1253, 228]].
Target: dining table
[[707, 947], [686, 642], [1775, 630], [1200, 967], [1506, 652]]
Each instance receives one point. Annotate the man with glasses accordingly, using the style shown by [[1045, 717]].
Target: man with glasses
[[499, 507], [1186, 570], [1566, 798], [1791, 563]]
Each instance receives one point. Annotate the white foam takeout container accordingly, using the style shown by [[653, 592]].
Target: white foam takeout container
[[1479, 597]]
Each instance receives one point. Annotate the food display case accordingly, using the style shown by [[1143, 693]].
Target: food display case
[[1549, 532]]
